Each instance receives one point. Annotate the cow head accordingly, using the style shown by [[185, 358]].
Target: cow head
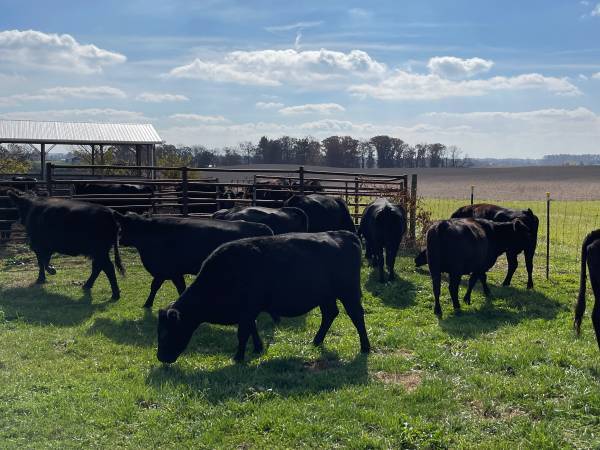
[[129, 224], [174, 334], [22, 202]]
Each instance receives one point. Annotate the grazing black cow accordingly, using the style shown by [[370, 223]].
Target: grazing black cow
[[590, 255], [325, 213], [500, 214], [171, 247], [382, 225], [469, 246], [241, 279], [117, 195], [280, 220], [8, 213], [71, 228]]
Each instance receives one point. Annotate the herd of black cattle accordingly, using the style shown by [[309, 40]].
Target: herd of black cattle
[[282, 261]]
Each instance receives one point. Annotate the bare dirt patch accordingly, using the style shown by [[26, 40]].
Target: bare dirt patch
[[409, 380], [495, 412]]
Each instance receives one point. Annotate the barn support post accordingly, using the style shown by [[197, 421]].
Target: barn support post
[[101, 151], [49, 178], [93, 159], [301, 177], [153, 160], [472, 194], [42, 160], [346, 190], [547, 235], [355, 200], [254, 191], [412, 232], [184, 191], [138, 159]]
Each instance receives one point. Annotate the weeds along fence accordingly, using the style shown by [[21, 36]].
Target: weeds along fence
[[563, 226], [199, 192]]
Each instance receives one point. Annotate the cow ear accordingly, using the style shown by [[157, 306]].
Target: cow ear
[[529, 212]]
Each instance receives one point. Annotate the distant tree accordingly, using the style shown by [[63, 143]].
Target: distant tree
[[383, 146], [436, 154], [203, 157], [397, 150], [350, 151], [409, 156], [421, 155], [248, 150], [230, 157], [16, 158], [454, 156], [334, 151], [364, 148], [307, 151]]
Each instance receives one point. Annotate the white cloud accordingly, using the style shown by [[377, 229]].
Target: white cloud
[[34, 49], [275, 67], [198, 118], [359, 13], [63, 93], [402, 85], [155, 97], [312, 108], [294, 26], [90, 114], [269, 105], [453, 67], [596, 76], [596, 11]]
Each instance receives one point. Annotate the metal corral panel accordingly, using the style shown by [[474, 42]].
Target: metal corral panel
[[29, 131]]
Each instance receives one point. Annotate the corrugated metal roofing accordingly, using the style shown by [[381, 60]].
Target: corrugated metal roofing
[[29, 131]]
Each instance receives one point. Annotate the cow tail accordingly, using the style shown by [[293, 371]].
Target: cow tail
[[580, 306], [118, 261]]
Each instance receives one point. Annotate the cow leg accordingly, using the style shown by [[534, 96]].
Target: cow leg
[[41, 258], [486, 288], [596, 310], [357, 314], [243, 333], [390, 258], [529, 264], [258, 344], [513, 263], [436, 281], [49, 267], [379, 255], [453, 288], [472, 280], [179, 283], [109, 270], [329, 311], [154, 287], [96, 269]]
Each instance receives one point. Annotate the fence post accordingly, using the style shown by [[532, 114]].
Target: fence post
[[355, 199], [412, 230], [184, 191], [346, 193], [49, 175], [254, 191], [547, 235], [301, 176], [472, 193]]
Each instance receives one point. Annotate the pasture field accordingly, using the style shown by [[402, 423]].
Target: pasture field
[[81, 371]]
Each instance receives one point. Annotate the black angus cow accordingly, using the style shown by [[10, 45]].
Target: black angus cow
[[312, 186], [280, 220], [241, 279], [325, 213], [204, 197], [500, 214], [275, 191], [172, 247], [122, 197], [8, 213], [382, 225], [590, 256], [469, 247], [71, 228]]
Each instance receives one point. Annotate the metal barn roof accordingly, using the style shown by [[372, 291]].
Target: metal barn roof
[[34, 132]]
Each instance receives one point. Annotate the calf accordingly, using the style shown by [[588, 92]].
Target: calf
[[241, 279], [284, 220], [8, 214], [325, 213], [72, 228], [469, 246], [590, 255], [120, 196], [383, 226], [170, 247]]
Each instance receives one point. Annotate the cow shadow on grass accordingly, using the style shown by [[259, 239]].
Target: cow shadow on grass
[[207, 339], [399, 293], [267, 379], [507, 306], [34, 305]]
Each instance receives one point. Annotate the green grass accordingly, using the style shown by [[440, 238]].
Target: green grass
[[81, 371]]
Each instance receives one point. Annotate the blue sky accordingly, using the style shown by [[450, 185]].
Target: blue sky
[[498, 79]]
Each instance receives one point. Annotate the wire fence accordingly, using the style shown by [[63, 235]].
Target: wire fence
[[569, 222]]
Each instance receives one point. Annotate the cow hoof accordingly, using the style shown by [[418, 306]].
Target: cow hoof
[[51, 270], [438, 312], [40, 281], [365, 349], [116, 296], [467, 300], [529, 286], [238, 359], [506, 283]]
